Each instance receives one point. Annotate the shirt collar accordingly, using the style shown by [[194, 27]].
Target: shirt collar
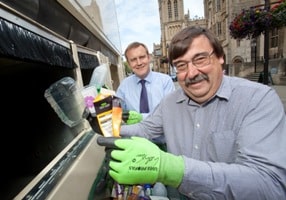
[[225, 88], [148, 78]]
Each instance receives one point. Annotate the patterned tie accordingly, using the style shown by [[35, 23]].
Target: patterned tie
[[144, 107]]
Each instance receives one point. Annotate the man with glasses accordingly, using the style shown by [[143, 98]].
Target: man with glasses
[[225, 136]]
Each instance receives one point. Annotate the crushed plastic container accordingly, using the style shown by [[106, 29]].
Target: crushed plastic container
[[66, 99]]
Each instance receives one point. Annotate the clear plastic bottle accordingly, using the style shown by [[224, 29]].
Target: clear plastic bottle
[[66, 99], [159, 189]]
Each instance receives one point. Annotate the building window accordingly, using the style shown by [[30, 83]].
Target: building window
[[218, 29], [238, 42], [218, 6], [176, 9], [274, 38], [169, 10]]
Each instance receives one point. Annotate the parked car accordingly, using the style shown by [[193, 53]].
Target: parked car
[[174, 77], [173, 73]]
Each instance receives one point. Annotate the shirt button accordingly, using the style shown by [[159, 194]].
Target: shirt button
[[196, 146], [198, 125]]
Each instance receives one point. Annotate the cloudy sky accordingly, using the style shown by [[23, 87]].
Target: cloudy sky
[[139, 20]]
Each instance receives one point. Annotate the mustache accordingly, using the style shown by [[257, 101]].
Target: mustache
[[196, 79]]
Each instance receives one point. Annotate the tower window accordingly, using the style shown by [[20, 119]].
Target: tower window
[[169, 9], [274, 38], [176, 9]]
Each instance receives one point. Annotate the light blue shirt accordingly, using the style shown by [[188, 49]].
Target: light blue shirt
[[157, 84], [233, 145]]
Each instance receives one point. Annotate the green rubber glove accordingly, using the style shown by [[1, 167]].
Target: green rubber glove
[[139, 161], [131, 117]]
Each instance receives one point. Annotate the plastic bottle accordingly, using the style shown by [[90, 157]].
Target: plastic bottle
[[159, 189], [66, 99], [147, 189]]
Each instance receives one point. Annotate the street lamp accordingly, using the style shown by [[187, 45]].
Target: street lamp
[[254, 44], [266, 48]]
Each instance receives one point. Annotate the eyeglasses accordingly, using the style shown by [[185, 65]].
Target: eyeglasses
[[199, 61]]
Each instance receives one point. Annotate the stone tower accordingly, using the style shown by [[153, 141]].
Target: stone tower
[[172, 20]]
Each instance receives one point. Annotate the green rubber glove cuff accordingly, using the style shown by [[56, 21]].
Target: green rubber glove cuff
[[171, 170], [134, 117]]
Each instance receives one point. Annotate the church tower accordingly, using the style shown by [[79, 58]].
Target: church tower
[[171, 20]]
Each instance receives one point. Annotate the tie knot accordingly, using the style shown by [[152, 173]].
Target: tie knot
[[142, 81]]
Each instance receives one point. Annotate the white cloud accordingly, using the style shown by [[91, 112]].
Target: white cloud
[[139, 20]]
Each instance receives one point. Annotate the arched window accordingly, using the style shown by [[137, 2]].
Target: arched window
[[218, 6], [169, 9], [176, 9]]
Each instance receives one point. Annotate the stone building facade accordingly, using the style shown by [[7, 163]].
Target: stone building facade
[[242, 57], [172, 19]]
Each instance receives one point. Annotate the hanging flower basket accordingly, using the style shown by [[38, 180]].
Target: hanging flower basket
[[279, 15], [253, 22]]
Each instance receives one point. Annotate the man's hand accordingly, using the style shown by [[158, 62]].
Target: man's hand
[[131, 117], [139, 161]]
